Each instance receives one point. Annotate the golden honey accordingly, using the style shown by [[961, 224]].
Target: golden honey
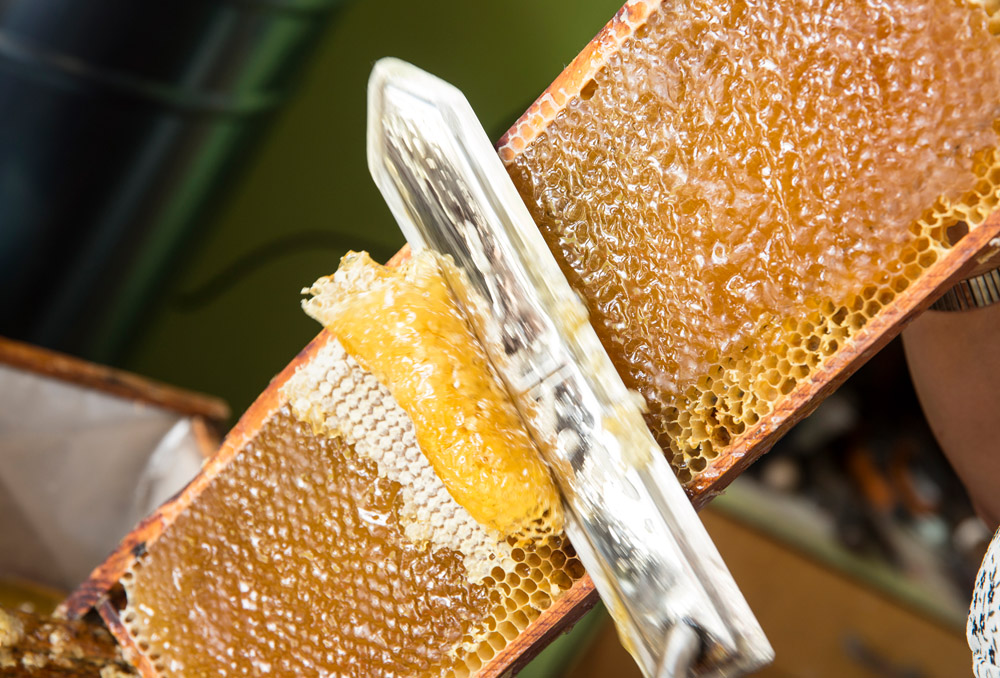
[[331, 544], [31, 597], [295, 546], [404, 327], [43, 647], [739, 190], [294, 561], [742, 186]]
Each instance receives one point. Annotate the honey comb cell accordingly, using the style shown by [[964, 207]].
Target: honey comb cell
[[290, 562], [327, 545], [405, 327], [320, 540], [741, 187], [294, 561], [582, 171], [46, 647]]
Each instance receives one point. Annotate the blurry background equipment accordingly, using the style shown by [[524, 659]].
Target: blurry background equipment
[[85, 453], [123, 123], [277, 214]]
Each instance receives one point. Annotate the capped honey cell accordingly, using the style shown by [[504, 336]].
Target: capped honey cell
[[753, 179], [405, 327], [331, 544], [295, 560], [737, 192]]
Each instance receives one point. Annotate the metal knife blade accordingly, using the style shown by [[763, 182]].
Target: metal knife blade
[[636, 533]]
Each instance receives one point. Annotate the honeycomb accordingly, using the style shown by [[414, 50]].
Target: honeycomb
[[404, 326], [336, 397], [328, 546], [743, 186], [40, 646]]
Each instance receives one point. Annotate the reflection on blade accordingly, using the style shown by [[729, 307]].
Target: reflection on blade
[[634, 528]]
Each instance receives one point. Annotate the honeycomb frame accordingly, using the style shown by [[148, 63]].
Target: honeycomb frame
[[43, 362], [982, 242], [855, 329], [103, 591]]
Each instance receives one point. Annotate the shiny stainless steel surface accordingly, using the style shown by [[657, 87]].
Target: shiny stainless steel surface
[[641, 541]]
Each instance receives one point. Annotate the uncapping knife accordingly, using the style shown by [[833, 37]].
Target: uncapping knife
[[677, 608]]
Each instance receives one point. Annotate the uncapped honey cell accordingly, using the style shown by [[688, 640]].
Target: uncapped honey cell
[[743, 185], [740, 188], [294, 561]]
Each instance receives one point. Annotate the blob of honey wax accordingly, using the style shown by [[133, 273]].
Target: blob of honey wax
[[405, 327]]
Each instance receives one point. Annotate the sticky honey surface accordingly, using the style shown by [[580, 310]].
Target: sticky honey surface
[[294, 561], [744, 185], [41, 646], [335, 396], [25, 596], [404, 327]]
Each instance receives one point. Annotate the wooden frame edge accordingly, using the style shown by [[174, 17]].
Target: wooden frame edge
[[560, 617], [568, 84], [132, 654], [568, 608], [572, 604], [878, 332], [109, 380], [94, 590]]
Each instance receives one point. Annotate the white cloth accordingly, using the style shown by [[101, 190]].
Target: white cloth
[[983, 629]]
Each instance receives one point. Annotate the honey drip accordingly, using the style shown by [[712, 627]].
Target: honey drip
[[744, 185]]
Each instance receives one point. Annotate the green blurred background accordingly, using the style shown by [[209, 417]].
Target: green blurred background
[[228, 317]]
